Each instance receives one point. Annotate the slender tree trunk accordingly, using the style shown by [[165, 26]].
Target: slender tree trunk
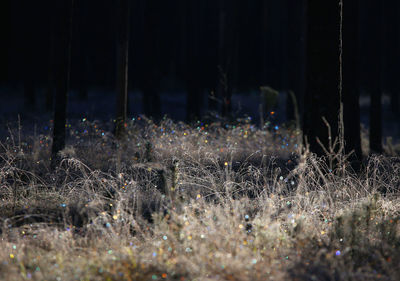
[[392, 58], [227, 44], [272, 40], [50, 73], [81, 49], [62, 58], [374, 77], [5, 31], [193, 64], [29, 71], [296, 55], [210, 55], [351, 95], [322, 97], [222, 71], [151, 67], [375, 134], [49, 96], [122, 65]]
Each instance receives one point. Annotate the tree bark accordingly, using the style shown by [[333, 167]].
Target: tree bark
[[374, 75], [351, 95], [392, 58], [122, 66], [50, 72], [193, 64], [29, 57], [151, 67], [228, 35], [296, 55], [62, 58], [80, 49], [322, 97]]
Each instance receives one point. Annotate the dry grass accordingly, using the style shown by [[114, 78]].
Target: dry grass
[[179, 202]]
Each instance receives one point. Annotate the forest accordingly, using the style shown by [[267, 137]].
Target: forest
[[200, 140]]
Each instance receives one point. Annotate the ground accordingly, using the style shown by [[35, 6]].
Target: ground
[[209, 201]]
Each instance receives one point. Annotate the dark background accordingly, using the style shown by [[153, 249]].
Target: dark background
[[175, 50]]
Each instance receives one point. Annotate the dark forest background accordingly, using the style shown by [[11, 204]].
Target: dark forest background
[[195, 57]]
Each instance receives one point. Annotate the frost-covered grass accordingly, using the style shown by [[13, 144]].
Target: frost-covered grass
[[200, 202]]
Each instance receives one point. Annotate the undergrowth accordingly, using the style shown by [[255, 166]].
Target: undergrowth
[[198, 202]]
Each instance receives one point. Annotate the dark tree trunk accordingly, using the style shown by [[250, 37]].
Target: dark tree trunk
[[210, 55], [151, 66], [322, 97], [5, 31], [79, 48], [122, 65], [62, 58], [296, 55], [193, 64], [392, 58], [228, 35], [273, 43], [28, 52], [50, 75], [351, 95], [49, 96], [374, 75]]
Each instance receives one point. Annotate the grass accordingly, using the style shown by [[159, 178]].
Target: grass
[[199, 202]]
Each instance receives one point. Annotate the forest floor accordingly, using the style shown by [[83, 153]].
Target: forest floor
[[207, 201]]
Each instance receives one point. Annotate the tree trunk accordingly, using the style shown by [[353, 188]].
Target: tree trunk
[[322, 97], [151, 66], [80, 49], [29, 57], [122, 65], [62, 58], [392, 58], [228, 35], [49, 95], [351, 95], [272, 41], [5, 15], [50, 74], [193, 64], [374, 76], [296, 55]]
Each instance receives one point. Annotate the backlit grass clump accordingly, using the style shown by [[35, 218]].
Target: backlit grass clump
[[199, 202]]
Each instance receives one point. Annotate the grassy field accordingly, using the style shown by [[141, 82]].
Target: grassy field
[[200, 202]]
